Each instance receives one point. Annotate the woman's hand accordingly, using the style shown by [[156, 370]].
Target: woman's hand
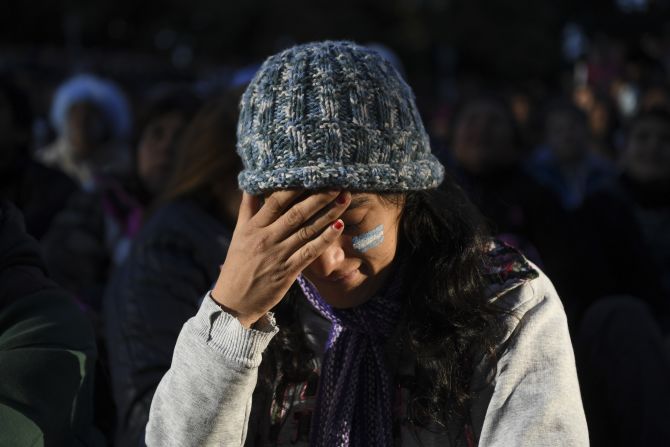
[[271, 247]]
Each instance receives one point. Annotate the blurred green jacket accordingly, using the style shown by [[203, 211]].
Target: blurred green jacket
[[47, 350]]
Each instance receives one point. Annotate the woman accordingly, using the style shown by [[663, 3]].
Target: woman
[[174, 258], [565, 162], [92, 235], [92, 119], [486, 153], [395, 321]]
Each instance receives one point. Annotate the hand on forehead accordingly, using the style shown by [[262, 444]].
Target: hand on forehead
[[296, 195]]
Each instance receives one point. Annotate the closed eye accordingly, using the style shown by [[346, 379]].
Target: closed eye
[[352, 228]]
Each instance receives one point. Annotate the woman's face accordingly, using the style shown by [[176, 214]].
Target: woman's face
[[154, 152], [357, 265], [647, 154], [566, 135], [483, 138], [86, 129]]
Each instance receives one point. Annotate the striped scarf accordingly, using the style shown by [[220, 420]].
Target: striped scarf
[[355, 398]]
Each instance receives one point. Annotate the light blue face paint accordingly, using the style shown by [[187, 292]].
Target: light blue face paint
[[366, 241]]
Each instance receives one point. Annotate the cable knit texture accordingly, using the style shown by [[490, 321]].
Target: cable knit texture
[[332, 114]]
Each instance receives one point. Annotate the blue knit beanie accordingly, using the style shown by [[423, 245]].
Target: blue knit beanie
[[332, 115], [103, 93]]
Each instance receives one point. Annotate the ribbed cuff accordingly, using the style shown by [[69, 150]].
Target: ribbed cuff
[[226, 334]]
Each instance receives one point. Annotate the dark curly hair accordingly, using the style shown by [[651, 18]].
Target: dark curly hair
[[449, 319]]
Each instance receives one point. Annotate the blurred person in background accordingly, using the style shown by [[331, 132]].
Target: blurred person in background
[[522, 103], [47, 350], [603, 120], [92, 235], [656, 96], [623, 347], [646, 181], [92, 120], [625, 247], [175, 257], [488, 161], [605, 123], [623, 361], [565, 162], [38, 191]]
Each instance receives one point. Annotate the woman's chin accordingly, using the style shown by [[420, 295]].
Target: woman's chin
[[343, 292]]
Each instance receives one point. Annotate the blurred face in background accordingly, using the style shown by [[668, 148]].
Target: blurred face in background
[[86, 129], [566, 134], [647, 155], [484, 138], [155, 151]]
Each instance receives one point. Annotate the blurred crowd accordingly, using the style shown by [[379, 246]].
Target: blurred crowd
[[131, 192]]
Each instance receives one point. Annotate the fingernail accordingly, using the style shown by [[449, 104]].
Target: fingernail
[[338, 225], [342, 198]]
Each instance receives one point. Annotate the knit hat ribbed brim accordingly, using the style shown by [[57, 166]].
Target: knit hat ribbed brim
[[332, 115]]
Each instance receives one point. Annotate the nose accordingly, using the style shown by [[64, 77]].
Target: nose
[[329, 261]]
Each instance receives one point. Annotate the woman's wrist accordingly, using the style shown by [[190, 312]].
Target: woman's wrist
[[246, 320]]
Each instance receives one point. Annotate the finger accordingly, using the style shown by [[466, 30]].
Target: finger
[[299, 260], [314, 227], [248, 207], [301, 212], [275, 205]]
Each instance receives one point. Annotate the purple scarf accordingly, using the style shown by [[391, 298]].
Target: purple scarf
[[355, 398]]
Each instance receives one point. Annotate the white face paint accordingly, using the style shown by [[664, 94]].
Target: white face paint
[[366, 241]]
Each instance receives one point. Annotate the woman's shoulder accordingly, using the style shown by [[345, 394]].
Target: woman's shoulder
[[518, 287], [184, 220], [533, 377], [180, 230], [175, 214], [529, 294]]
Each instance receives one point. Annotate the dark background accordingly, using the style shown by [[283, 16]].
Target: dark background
[[446, 46], [503, 39]]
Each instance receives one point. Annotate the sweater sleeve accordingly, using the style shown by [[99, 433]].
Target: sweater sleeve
[[205, 397], [536, 400]]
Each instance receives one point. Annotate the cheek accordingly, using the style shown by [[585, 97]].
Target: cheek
[[370, 239], [377, 247], [144, 156], [142, 153], [462, 138]]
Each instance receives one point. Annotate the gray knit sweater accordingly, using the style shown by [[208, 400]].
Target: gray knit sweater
[[531, 399]]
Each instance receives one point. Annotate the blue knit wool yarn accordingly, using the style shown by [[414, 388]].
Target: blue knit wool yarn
[[332, 114]]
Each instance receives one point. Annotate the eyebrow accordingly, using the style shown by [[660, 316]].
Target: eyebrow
[[358, 202]]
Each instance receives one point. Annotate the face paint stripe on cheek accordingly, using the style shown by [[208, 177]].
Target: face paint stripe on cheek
[[364, 242]]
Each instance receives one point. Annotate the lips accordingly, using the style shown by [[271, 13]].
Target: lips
[[339, 277]]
